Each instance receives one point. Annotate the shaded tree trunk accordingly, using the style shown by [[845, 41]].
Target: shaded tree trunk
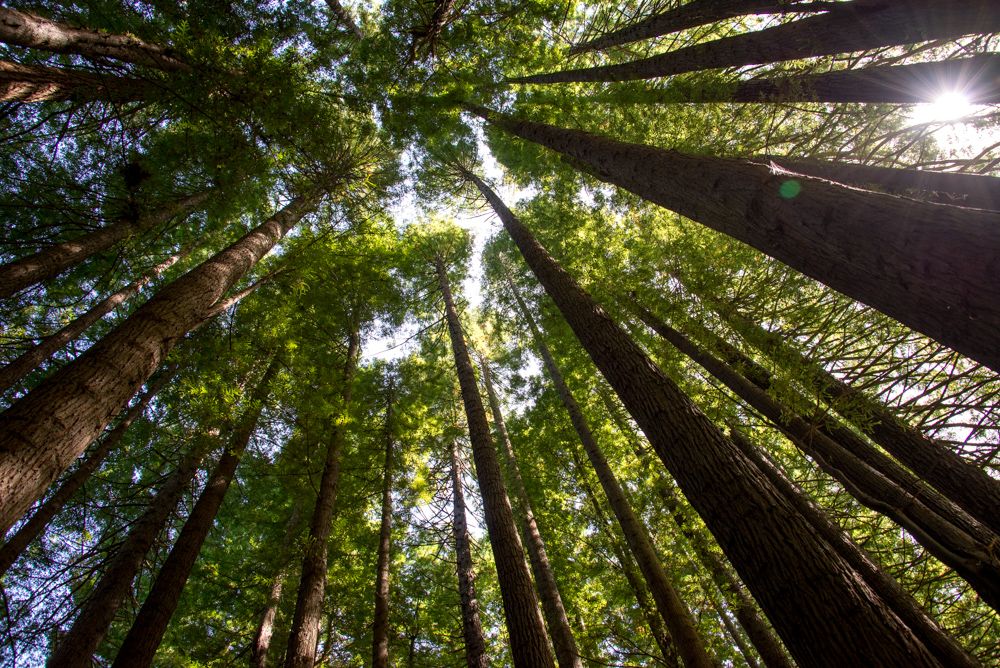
[[930, 266], [42, 433], [857, 26], [265, 628], [338, 10], [805, 587], [472, 629], [529, 646], [40, 83], [146, 633], [380, 625], [304, 634], [556, 619]]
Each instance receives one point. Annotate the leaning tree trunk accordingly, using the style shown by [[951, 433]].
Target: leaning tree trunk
[[806, 588], [36, 32], [42, 433], [146, 633], [857, 26], [380, 625], [39, 83], [472, 629], [341, 12], [33, 528], [931, 266], [668, 602], [265, 628], [76, 648], [556, 619], [57, 258], [304, 633], [529, 646]]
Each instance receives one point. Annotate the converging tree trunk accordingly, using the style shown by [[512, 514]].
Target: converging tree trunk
[[529, 645], [265, 628], [42, 433], [341, 12], [380, 625], [40, 83]]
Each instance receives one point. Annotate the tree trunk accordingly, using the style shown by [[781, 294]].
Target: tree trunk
[[76, 648], [804, 586], [34, 527], [857, 26], [556, 619], [734, 632], [42, 433], [36, 32], [265, 629], [931, 266], [304, 634], [146, 633], [668, 602], [380, 625], [529, 646], [472, 629], [39, 83], [30, 359], [57, 258], [338, 10]]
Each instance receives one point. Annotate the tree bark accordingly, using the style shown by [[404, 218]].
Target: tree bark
[[39, 83], [265, 628], [36, 32], [804, 586], [42, 433], [529, 646], [304, 634], [472, 629], [146, 633], [338, 10], [556, 619], [380, 625], [34, 527], [57, 258], [668, 602], [857, 26], [930, 266]]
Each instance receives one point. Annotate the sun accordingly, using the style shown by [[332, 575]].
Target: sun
[[948, 106]]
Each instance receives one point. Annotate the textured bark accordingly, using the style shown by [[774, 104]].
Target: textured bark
[[304, 634], [34, 527], [265, 628], [338, 10], [37, 32], [380, 625], [529, 646], [146, 633], [668, 602], [858, 26], [803, 585], [31, 358], [556, 619], [39, 83], [931, 266], [472, 628], [57, 258], [76, 648], [42, 433]]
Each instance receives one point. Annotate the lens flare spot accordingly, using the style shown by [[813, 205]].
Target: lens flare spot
[[790, 189]]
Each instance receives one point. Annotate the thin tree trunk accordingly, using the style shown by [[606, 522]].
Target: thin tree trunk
[[265, 629], [57, 258], [37, 32], [304, 634], [668, 602], [380, 625], [529, 646], [804, 586], [472, 629], [42, 433], [338, 10], [556, 619], [40, 83], [76, 648], [146, 633], [734, 633], [931, 266], [857, 26], [34, 527], [30, 359]]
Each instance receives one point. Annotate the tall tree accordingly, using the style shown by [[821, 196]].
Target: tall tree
[[380, 624], [39, 83]]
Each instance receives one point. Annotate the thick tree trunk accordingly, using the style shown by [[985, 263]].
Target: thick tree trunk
[[57, 258], [76, 648], [39, 83], [30, 359], [42, 433], [668, 602], [472, 629], [304, 634], [338, 10], [858, 26], [146, 633], [265, 628], [556, 619], [931, 266], [34, 527], [529, 646], [36, 32], [804, 586], [380, 625]]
